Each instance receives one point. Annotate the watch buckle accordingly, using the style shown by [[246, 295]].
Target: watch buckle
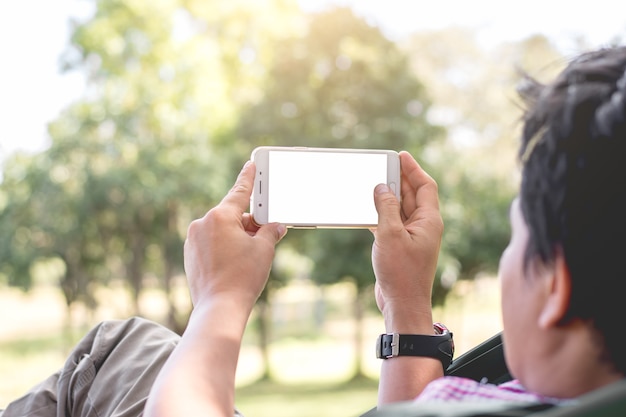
[[388, 345]]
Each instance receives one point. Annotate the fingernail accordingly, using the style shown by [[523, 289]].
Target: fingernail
[[381, 189], [248, 162]]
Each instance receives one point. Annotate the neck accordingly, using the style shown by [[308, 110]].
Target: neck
[[571, 363]]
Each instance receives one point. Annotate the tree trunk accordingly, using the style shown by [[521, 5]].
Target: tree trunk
[[169, 244], [135, 269], [264, 322], [358, 310]]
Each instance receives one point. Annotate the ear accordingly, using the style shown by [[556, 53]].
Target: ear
[[559, 290]]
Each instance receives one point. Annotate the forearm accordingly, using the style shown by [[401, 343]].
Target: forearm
[[404, 257], [199, 377], [403, 378]]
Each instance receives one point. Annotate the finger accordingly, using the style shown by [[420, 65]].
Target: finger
[[249, 225], [239, 194], [418, 188], [272, 232], [388, 208], [407, 193]]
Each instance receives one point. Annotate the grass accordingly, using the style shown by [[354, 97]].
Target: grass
[[271, 399], [25, 362], [30, 360], [311, 374]]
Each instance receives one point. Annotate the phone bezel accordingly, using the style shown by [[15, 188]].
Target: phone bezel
[[259, 199]]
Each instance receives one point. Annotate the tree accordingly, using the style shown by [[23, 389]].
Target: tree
[[133, 132], [147, 148], [339, 84], [346, 255], [46, 216], [473, 89], [169, 77]]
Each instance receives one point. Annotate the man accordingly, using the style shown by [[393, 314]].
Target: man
[[561, 277]]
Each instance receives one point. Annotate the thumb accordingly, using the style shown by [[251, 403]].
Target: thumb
[[387, 206], [272, 232]]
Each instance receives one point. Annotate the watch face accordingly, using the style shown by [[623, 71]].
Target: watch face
[[440, 328]]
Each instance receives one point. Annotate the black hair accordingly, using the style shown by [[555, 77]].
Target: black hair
[[573, 190]]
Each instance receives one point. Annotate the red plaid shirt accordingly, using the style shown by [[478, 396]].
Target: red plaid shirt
[[451, 389]]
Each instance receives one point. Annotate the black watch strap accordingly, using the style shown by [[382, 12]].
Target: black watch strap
[[439, 346]]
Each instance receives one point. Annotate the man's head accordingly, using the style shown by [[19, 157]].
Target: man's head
[[573, 192]]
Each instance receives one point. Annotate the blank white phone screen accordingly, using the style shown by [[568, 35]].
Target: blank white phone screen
[[324, 188]]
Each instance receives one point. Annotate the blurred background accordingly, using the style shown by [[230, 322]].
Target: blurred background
[[122, 121]]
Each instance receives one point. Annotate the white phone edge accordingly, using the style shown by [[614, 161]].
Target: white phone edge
[[258, 199]]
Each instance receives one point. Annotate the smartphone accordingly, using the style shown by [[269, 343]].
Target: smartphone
[[321, 187]]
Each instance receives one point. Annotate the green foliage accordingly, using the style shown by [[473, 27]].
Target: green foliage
[[178, 94], [340, 84], [16, 251], [342, 254], [180, 91], [473, 89], [141, 154], [46, 216], [477, 244]]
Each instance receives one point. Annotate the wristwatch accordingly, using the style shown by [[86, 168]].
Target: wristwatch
[[439, 345]]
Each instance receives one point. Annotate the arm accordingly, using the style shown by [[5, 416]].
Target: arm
[[404, 257], [227, 262]]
